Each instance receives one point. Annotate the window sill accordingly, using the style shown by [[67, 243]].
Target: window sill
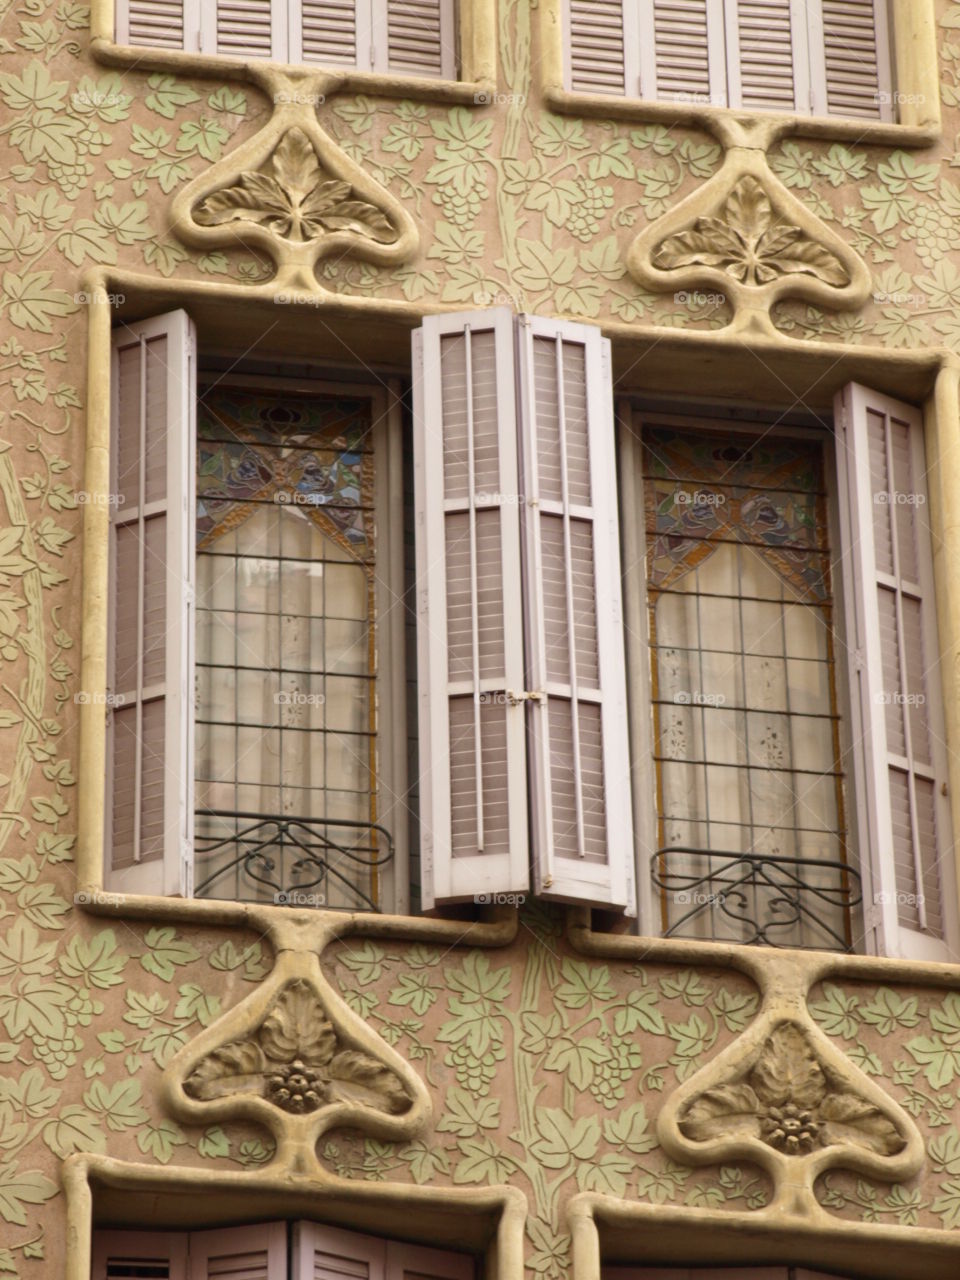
[[731, 127], [269, 76]]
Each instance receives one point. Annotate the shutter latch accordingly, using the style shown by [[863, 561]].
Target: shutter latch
[[515, 699]]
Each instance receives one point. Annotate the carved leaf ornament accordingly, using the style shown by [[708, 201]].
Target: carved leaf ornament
[[789, 1102], [295, 1060], [293, 197], [751, 244]]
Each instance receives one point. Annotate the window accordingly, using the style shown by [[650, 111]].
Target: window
[[795, 722], [716, 1273], [399, 37], [270, 1251], [808, 57], [245, 536]]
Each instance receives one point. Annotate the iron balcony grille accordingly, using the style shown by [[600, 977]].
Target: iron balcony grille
[[756, 898], [291, 861]]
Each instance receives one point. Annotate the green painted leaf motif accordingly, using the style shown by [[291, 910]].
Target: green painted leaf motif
[[837, 1013], [119, 1104], [482, 1161], [143, 1010], [564, 1140], [164, 1043], [577, 1058], [213, 1144], [33, 304], [34, 90], [36, 1009], [74, 1129], [16, 873], [947, 1205], [159, 1140], [30, 1095], [18, 1189], [611, 158], [604, 258], [888, 1010], [168, 95], [687, 985], [366, 963], [542, 268], [465, 1115], [414, 990], [425, 1161], [640, 1012], [194, 1002], [737, 1010], [539, 1031], [23, 951], [940, 1063], [230, 100], [901, 170], [550, 1249], [628, 1130], [47, 135], [42, 905], [204, 136], [86, 239], [607, 1174], [166, 952], [944, 1152], [583, 982]]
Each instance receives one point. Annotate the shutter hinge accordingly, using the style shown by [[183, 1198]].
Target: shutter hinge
[[186, 870], [515, 699], [189, 594], [373, 57], [872, 916], [858, 659]]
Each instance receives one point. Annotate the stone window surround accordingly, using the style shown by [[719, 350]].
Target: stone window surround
[[477, 86], [916, 80], [929, 378]]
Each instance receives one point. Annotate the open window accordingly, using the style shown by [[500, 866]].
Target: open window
[[394, 37], [804, 57]]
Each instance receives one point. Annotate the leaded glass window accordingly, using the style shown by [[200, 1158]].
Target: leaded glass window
[[751, 831], [285, 653]]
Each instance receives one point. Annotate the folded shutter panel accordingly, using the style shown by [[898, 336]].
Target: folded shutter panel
[[245, 29], [851, 42], [682, 51], [239, 1253], [328, 1253], [328, 31], [150, 777], [420, 39], [161, 24], [412, 1262], [595, 46], [580, 760], [133, 1255], [900, 752], [766, 55], [470, 642]]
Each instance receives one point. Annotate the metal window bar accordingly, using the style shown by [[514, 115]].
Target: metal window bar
[[474, 589], [262, 844], [141, 603], [790, 901]]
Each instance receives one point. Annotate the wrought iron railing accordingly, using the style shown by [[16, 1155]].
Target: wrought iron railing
[[291, 861], [757, 898]]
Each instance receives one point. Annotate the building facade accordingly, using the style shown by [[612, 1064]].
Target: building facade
[[479, 622]]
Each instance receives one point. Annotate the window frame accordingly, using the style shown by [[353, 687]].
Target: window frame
[[868, 937], [912, 29], [476, 38]]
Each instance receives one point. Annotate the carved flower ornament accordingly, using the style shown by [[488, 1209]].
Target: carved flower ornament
[[789, 1102], [295, 1061], [293, 197], [750, 243]]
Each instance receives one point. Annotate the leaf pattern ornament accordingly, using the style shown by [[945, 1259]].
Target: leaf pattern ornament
[[294, 199], [750, 243], [295, 1061], [789, 1102]]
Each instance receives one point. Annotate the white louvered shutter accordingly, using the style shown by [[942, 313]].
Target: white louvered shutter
[[150, 670], [767, 66], [681, 44], [333, 32], [470, 638], [597, 46], [899, 742], [131, 1255], [850, 59], [245, 28], [582, 824], [414, 38], [413, 1262], [328, 1253], [159, 24], [239, 1253]]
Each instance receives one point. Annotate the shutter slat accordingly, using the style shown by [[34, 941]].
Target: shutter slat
[[578, 734], [240, 1253], [139, 1255], [245, 28], [329, 33], [762, 55], [150, 627], [420, 37], [596, 49], [853, 58], [156, 23], [899, 751], [470, 648], [680, 32]]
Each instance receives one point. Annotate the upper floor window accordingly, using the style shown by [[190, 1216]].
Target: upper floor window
[[804, 57], [397, 37]]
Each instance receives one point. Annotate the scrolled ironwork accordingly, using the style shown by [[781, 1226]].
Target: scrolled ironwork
[[294, 858], [770, 900]]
